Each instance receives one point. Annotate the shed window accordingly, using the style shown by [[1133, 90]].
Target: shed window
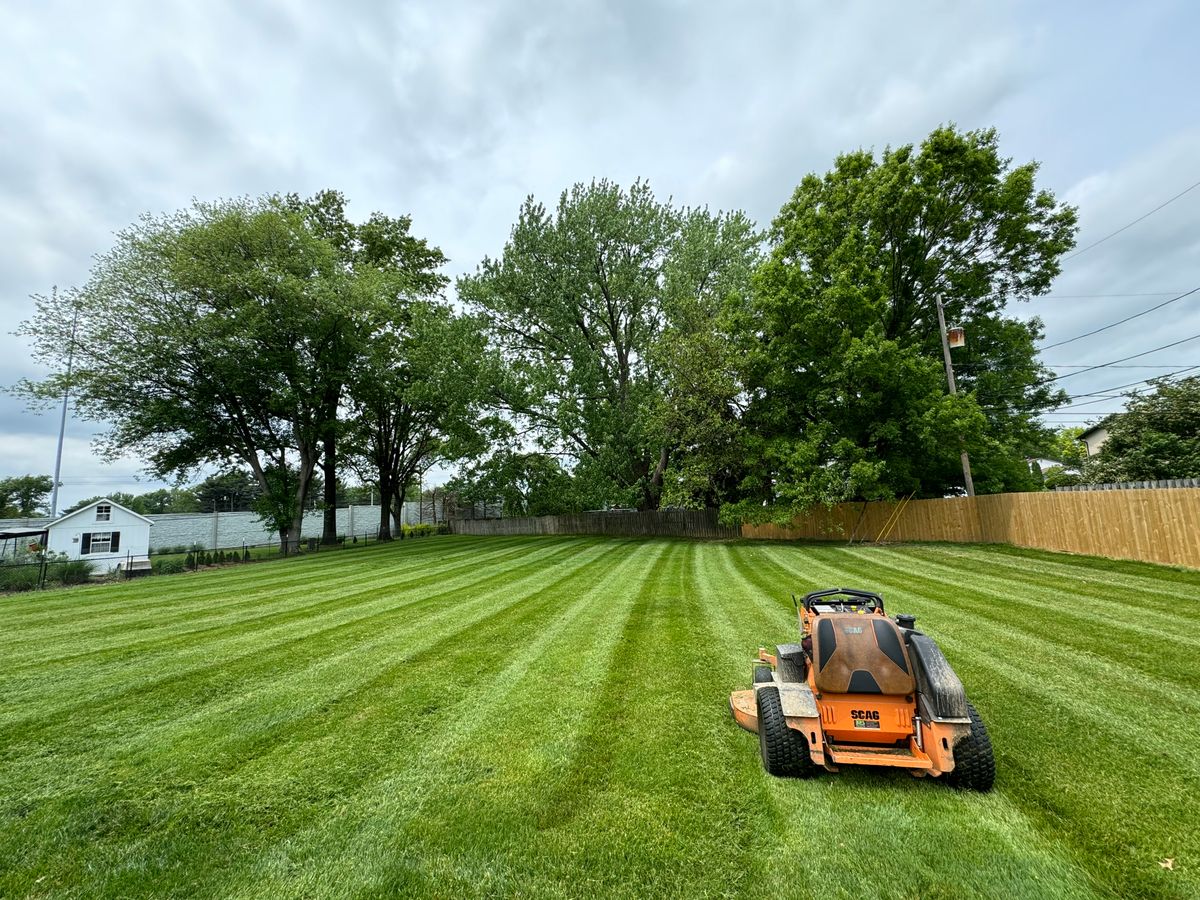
[[101, 542], [103, 512]]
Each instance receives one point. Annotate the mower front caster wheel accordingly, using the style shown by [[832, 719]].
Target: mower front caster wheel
[[784, 750]]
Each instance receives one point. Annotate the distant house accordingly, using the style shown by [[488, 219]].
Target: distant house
[[105, 534], [1093, 439]]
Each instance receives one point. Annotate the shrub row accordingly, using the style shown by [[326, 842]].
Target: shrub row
[[197, 558], [24, 576]]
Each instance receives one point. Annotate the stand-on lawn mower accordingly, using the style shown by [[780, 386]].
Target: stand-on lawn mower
[[863, 689]]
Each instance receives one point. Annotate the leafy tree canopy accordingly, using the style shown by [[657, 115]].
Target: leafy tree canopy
[[231, 491], [1065, 447], [526, 484], [24, 496], [415, 399], [840, 341], [1156, 438], [223, 334], [577, 309]]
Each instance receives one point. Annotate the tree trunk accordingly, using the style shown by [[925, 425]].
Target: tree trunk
[[400, 493], [385, 506], [308, 463], [329, 469]]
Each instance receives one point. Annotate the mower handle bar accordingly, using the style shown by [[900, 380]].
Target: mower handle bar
[[809, 599]]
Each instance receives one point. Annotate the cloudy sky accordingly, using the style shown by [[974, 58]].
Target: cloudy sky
[[453, 112]]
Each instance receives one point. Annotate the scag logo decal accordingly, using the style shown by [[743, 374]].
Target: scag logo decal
[[865, 718]]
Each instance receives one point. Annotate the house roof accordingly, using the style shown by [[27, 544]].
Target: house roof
[[93, 505], [1103, 425]]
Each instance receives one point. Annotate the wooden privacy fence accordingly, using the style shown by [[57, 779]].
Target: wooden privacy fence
[[1153, 525], [694, 523]]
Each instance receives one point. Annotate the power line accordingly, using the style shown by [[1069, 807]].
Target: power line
[[1101, 296], [1122, 321], [1132, 383], [1050, 365], [1104, 399], [1121, 360], [1131, 224]]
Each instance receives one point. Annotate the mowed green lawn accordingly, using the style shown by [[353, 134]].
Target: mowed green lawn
[[546, 717]]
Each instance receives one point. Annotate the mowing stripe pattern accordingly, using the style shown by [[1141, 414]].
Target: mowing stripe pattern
[[546, 717]]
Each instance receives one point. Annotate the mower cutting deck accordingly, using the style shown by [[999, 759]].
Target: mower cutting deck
[[862, 689]]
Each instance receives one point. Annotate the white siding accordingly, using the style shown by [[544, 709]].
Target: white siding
[[67, 536]]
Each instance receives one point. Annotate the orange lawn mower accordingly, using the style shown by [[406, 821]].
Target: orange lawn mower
[[863, 689]]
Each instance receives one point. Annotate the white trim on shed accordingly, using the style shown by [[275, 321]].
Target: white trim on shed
[[103, 533]]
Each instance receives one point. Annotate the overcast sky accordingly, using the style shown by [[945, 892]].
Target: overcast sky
[[454, 112]]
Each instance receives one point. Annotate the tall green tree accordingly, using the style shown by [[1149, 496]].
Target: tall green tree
[[202, 339], [1067, 452], [169, 500], [234, 490], [1156, 438], [841, 346], [525, 483], [415, 400], [576, 308], [1065, 447], [24, 496], [388, 267]]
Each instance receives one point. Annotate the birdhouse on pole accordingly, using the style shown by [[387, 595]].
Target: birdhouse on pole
[[955, 336]]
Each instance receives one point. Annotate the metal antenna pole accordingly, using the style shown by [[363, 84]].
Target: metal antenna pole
[[62, 425], [966, 460]]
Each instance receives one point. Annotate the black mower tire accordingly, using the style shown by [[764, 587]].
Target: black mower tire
[[974, 762], [784, 751], [763, 675]]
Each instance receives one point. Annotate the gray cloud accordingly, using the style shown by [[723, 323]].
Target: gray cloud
[[453, 112]]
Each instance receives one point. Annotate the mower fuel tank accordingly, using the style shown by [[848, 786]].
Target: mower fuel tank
[[936, 682]]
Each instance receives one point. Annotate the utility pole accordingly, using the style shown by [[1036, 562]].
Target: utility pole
[[966, 460], [62, 425]]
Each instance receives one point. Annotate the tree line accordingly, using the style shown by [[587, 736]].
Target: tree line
[[620, 351]]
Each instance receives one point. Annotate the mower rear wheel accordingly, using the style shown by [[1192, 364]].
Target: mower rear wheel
[[974, 762], [763, 675], [784, 751]]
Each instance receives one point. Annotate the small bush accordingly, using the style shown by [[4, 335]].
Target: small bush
[[190, 562], [167, 566], [19, 578], [246, 555], [75, 571], [443, 528]]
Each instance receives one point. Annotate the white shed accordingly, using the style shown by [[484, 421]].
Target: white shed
[[104, 533]]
